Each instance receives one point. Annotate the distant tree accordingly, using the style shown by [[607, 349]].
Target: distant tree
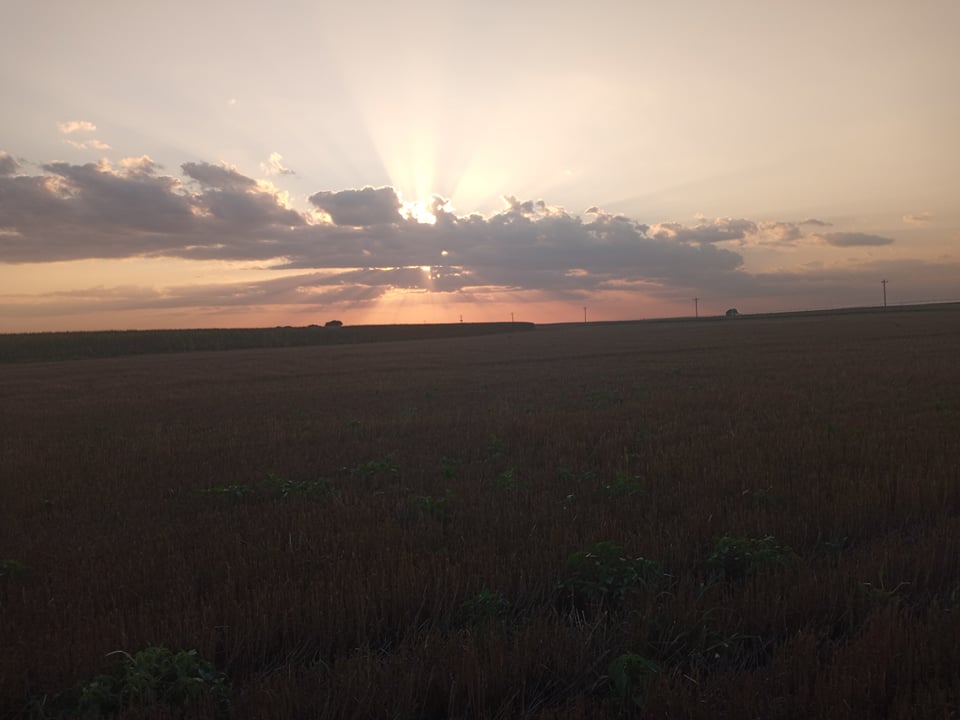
[[732, 312], [333, 324]]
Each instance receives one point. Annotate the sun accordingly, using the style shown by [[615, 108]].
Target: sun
[[418, 210]]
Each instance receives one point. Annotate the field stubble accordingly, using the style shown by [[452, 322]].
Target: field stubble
[[387, 530]]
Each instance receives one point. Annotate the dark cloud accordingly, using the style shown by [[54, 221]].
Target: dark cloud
[[367, 248], [360, 208], [100, 211], [218, 176], [854, 239], [814, 221], [8, 164], [719, 230]]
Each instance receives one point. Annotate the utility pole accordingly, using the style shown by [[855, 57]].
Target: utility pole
[[461, 318], [696, 307], [584, 315], [884, 283], [511, 317]]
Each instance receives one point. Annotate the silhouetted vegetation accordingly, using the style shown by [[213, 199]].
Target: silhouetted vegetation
[[757, 519], [34, 347]]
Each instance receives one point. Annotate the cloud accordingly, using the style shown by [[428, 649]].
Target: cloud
[[354, 246], [360, 208], [274, 166], [142, 165], [97, 210], [93, 144], [853, 239], [222, 177], [74, 126], [214, 212], [719, 230], [918, 218], [8, 164], [814, 221]]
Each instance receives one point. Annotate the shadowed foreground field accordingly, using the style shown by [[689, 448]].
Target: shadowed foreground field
[[743, 519]]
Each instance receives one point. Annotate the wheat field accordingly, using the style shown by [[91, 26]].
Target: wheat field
[[748, 518]]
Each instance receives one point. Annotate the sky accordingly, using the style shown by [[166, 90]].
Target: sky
[[250, 164]]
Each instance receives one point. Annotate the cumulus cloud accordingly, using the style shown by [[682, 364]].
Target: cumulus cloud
[[918, 218], [853, 239], [274, 166], [360, 208], [8, 164], [718, 230], [354, 245], [221, 177], [142, 165], [74, 126]]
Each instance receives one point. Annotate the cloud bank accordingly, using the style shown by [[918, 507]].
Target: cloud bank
[[355, 245]]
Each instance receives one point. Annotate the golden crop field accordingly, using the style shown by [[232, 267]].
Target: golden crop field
[[746, 518]]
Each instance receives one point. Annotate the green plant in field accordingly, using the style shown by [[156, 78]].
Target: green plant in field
[[880, 594], [625, 675], [236, 491], [604, 573], [448, 468], [12, 569], [436, 507], [319, 489], [507, 480], [738, 557], [371, 468], [568, 475], [486, 605], [624, 485], [153, 676], [496, 447]]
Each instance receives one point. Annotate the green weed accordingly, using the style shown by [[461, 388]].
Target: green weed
[[734, 558], [436, 507], [448, 468], [624, 485], [507, 480], [604, 573], [484, 606], [312, 489], [235, 491], [153, 676], [569, 476], [372, 468], [12, 569]]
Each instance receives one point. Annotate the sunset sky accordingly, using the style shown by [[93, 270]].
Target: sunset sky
[[224, 164]]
